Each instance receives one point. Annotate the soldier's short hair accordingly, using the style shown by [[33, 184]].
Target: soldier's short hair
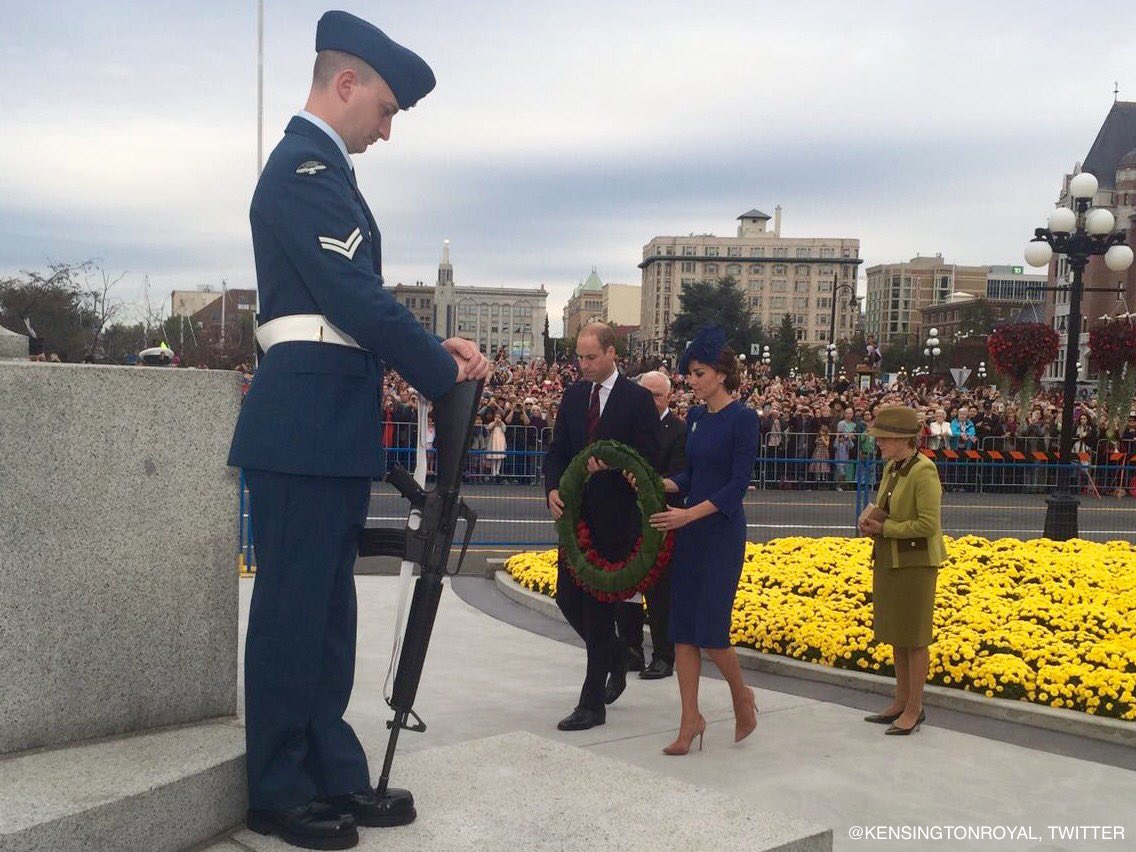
[[330, 63]]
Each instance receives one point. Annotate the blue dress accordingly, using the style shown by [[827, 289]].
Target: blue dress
[[721, 449]]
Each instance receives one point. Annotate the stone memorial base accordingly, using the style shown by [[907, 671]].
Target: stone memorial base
[[523, 792], [167, 789]]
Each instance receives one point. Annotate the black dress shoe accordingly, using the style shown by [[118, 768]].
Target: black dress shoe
[[897, 731], [375, 811], [658, 670], [616, 683], [311, 826], [581, 719], [883, 718]]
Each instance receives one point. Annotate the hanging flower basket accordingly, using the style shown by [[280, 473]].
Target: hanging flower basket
[[604, 579], [1020, 353], [1112, 353]]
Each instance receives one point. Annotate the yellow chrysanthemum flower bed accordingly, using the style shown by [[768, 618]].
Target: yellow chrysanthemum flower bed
[[1041, 621]]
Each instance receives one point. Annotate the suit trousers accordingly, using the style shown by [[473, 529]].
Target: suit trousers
[[300, 650], [630, 620], [594, 621]]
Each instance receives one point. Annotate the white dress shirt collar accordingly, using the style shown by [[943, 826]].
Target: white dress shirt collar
[[330, 131]]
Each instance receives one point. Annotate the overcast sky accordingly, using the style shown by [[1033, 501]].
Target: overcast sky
[[561, 136]]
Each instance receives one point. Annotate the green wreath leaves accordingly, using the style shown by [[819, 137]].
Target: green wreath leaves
[[602, 578]]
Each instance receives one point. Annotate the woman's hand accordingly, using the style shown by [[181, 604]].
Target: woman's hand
[[671, 519], [870, 526], [669, 486]]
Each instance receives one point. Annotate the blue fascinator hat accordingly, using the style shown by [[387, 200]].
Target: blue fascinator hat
[[706, 348]]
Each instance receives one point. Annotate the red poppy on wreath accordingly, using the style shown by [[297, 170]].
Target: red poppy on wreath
[[605, 579]]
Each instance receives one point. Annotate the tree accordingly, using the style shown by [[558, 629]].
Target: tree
[[808, 359], [62, 306], [783, 348], [713, 303]]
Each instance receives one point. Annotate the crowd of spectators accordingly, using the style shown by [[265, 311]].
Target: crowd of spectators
[[812, 430]]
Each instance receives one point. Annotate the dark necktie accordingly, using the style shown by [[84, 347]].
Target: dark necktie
[[594, 413]]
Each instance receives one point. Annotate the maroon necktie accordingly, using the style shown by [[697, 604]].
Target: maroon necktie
[[593, 413]]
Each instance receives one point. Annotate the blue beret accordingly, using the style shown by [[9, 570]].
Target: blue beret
[[407, 74], [706, 348]]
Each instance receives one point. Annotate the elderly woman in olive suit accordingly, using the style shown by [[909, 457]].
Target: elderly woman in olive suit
[[907, 552]]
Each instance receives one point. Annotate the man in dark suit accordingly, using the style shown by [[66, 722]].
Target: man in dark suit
[[309, 435], [603, 405], [629, 621]]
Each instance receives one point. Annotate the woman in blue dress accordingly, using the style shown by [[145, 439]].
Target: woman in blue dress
[[721, 448]]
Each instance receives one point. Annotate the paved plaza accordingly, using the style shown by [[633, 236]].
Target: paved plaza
[[496, 668]]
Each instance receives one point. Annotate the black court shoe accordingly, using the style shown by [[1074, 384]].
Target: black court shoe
[[883, 718], [896, 731], [311, 826]]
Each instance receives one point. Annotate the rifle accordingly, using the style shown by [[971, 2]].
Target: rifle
[[426, 542]]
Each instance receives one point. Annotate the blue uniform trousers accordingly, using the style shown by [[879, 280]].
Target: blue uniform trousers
[[300, 650]]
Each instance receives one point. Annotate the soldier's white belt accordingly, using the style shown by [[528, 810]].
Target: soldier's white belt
[[312, 328]]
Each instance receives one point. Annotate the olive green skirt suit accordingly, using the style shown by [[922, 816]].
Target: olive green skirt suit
[[907, 556]]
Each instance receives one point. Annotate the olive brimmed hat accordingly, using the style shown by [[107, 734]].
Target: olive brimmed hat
[[896, 421]]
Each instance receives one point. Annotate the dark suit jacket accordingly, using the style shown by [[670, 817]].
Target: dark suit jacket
[[609, 504], [672, 452]]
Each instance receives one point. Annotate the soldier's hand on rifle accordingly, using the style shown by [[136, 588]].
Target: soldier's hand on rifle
[[555, 504]]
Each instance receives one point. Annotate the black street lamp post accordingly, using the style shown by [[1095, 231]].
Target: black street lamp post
[[853, 302], [1079, 235]]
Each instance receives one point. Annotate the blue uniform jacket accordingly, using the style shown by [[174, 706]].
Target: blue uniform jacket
[[313, 408]]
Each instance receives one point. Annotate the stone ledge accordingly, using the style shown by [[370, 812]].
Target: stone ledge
[[164, 790], [1020, 712], [531, 793]]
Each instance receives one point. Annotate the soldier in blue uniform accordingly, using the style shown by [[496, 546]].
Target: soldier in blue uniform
[[309, 435]]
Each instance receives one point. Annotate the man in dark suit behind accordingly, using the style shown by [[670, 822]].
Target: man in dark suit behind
[[629, 621], [604, 405]]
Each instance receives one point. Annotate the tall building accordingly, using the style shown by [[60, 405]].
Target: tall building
[[186, 303], [593, 300], [1010, 290], [898, 291], [778, 275], [621, 304], [585, 305], [496, 318], [1112, 160]]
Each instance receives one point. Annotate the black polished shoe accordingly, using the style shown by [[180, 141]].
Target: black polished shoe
[[375, 811], [883, 718], [897, 731], [658, 670], [311, 826], [581, 719], [616, 683]]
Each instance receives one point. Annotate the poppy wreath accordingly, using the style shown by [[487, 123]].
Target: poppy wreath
[[602, 578], [1112, 353], [1020, 353]]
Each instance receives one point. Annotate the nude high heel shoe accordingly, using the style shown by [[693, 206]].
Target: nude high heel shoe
[[680, 746], [742, 731]]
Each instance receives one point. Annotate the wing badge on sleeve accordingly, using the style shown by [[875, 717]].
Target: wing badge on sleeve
[[310, 167], [346, 247]]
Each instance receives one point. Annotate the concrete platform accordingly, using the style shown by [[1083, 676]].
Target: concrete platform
[[520, 791], [158, 791]]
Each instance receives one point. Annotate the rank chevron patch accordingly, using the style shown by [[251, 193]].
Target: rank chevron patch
[[345, 247]]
